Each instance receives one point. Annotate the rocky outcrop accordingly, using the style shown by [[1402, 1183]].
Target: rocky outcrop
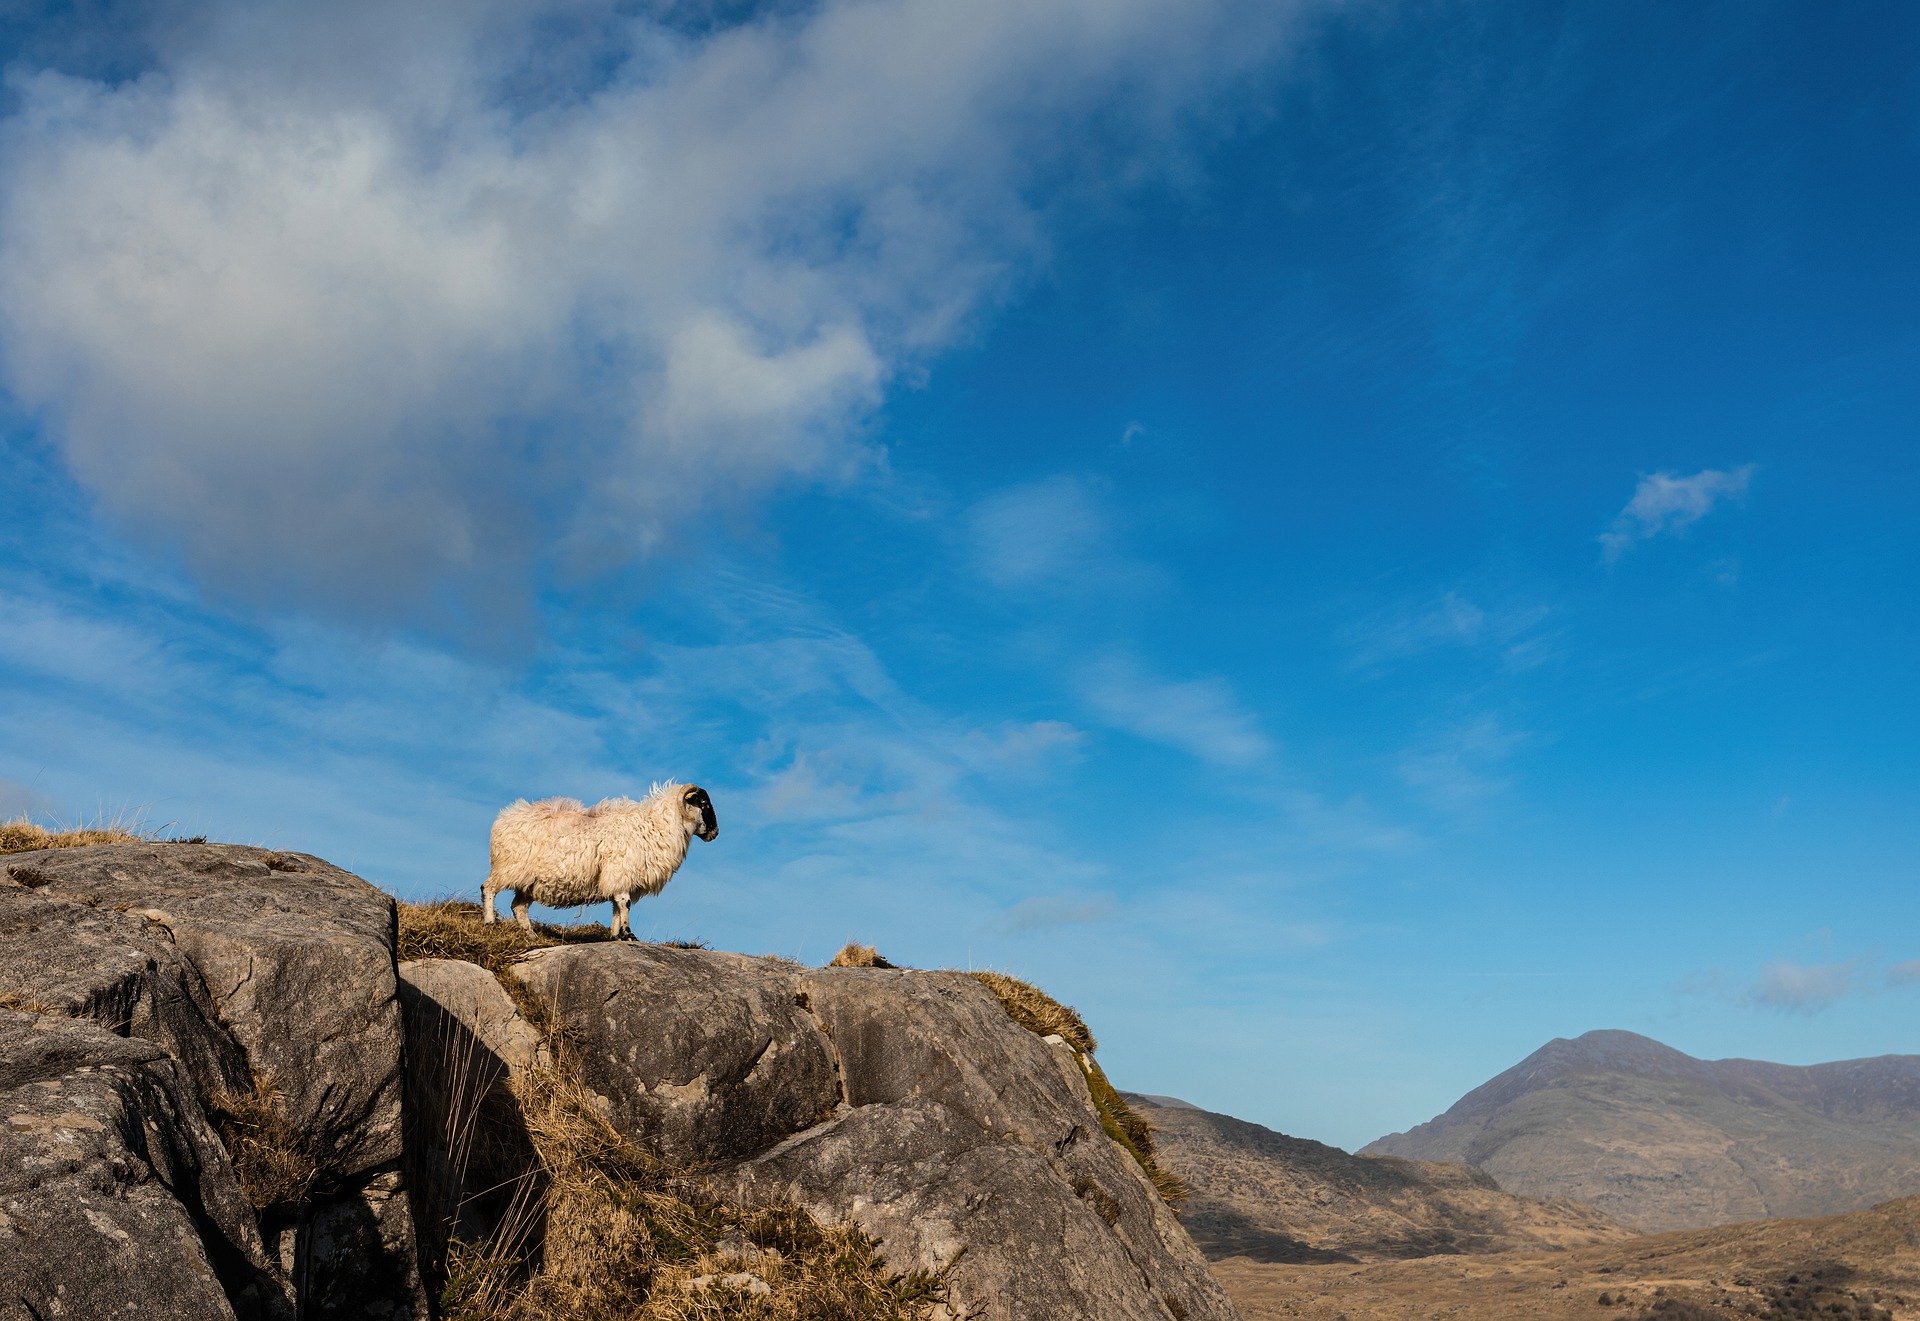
[[702, 1055], [907, 1100], [222, 1097], [265, 975], [468, 1149], [116, 1196]]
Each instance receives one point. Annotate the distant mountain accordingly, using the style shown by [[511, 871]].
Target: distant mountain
[[1261, 1194], [1659, 1140]]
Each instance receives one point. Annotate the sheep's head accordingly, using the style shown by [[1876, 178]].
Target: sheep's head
[[696, 809]]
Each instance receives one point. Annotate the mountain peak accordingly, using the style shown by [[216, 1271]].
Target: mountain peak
[[1661, 1140]]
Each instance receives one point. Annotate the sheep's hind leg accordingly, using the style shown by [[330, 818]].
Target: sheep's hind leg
[[622, 927], [489, 895], [520, 905]]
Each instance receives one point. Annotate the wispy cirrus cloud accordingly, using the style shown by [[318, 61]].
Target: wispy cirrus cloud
[[1666, 502], [1457, 768], [1202, 717], [1455, 619]]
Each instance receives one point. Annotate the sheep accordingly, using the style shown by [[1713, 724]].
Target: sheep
[[560, 853]]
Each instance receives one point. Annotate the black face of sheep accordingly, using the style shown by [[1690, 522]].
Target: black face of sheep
[[696, 800]]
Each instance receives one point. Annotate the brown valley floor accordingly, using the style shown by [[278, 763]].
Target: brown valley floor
[[1863, 1265]]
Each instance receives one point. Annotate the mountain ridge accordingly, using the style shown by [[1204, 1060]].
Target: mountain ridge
[[1660, 1140], [1269, 1197]]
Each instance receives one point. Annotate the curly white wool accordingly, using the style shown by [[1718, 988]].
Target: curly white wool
[[563, 854]]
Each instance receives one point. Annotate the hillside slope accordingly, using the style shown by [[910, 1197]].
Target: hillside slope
[[1659, 1140], [1273, 1198]]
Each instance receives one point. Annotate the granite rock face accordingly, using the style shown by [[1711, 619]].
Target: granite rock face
[[254, 970], [116, 1196], [711, 1056], [468, 1148], [906, 1100], [123, 971], [296, 958]]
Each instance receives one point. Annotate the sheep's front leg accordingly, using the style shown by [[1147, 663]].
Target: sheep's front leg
[[622, 927], [520, 905]]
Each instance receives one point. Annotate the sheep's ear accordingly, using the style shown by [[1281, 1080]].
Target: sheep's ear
[[690, 795]]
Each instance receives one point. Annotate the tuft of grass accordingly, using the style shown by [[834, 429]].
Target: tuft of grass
[[454, 929], [1041, 1014], [855, 955], [23, 836], [20, 835], [27, 1004], [601, 1230], [1038, 1012], [272, 1158]]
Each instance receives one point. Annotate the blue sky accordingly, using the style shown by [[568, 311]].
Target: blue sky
[[1344, 540]]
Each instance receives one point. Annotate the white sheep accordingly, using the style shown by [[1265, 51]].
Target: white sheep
[[562, 854]]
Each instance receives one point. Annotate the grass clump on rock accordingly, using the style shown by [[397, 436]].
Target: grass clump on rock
[[855, 955], [271, 1157], [23, 836], [454, 929], [599, 1230], [1038, 1012]]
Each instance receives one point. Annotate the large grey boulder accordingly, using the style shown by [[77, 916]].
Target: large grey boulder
[[467, 1148], [706, 1056], [261, 972], [906, 1100], [123, 971], [116, 1196], [1008, 1156], [296, 957]]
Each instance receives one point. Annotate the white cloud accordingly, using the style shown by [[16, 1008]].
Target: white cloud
[[1198, 716], [1904, 974], [1801, 987], [1453, 620], [366, 300], [1040, 533], [1666, 502]]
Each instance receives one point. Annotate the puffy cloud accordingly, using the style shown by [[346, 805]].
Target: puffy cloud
[[1666, 502], [1801, 987], [373, 300]]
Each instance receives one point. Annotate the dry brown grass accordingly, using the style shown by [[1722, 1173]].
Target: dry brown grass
[[1038, 1012], [855, 955], [271, 1157], [23, 836], [600, 1230], [1041, 1014], [454, 929], [27, 1004]]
